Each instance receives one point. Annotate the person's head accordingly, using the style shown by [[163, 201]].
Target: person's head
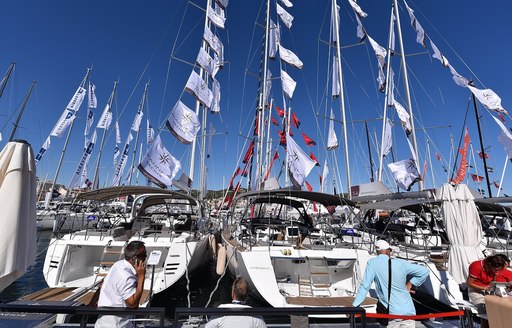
[[135, 250], [240, 290], [382, 247], [494, 263], [504, 258]]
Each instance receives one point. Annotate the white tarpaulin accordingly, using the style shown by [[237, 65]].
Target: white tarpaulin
[[463, 228], [18, 192]]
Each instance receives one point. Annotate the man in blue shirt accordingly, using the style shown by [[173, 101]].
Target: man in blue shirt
[[404, 276]]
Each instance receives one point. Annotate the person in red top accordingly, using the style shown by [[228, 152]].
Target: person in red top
[[504, 275], [481, 274]]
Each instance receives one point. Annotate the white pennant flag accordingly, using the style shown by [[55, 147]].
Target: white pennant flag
[[93, 102], [360, 31], [81, 168], [336, 85], [507, 144], [325, 172], [197, 87], [299, 163], [288, 84], [391, 88], [387, 143], [88, 121], [103, 122], [43, 149], [332, 141], [268, 86], [380, 53], [118, 133], [150, 133], [287, 3], [404, 117], [213, 41], [76, 101], [405, 173], [122, 162], [290, 58], [503, 127], [137, 120], [459, 79], [216, 96], [489, 99], [274, 40], [217, 16], [116, 154], [438, 55], [206, 62], [62, 124], [286, 18], [357, 9], [158, 165], [335, 17], [183, 123], [420, 33]]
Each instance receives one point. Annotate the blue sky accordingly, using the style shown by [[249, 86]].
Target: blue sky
[[54, 43]]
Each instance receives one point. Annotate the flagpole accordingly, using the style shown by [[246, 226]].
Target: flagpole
[[481, 142], [502, 175], [142, 103], [21, 110], [6, 78]]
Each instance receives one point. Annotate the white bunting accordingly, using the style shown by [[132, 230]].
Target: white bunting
[[288, 84], [206, 62], [222, 3], [76, 101], [62, 124], [274, 40], [380, 53], [103, 122], [218, 63], [360, 32], [357, 9], [325, 173], [405, 173], [150, 133], [81, 168], [387, 143], [268, 86], [404, 117], [391, 88], [216, 97], [122, 162], [286, 18], [332, 139], [197, 87], [217, 16], [158, 165], [503, 127], [335, 27], [88, 121], [438, 55], [420, 33], [213, 41], [489, 99], [137, 120], [287, 3], [336, 85], [43, 149], [299, 163], [183, 123], [290, 58], [116, 154], [93, 102], [459, 79], [118, 133]]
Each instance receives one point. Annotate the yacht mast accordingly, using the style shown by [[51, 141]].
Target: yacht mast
[[21, 110], [142, 104], [6, 78]]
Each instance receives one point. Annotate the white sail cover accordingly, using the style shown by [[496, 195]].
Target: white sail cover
[[387, 143], [216, 96], [213, 41], [332, 140], [92, 100], [183, 123], [76, 101], [137, 120], [405, 173], [285, 16], [288, 84], [420, 33], [287, 3], [18, 192], [325, 173], [299, 163], [206, 62], [197, 87], [82, 165], [438, 55], [459, 79], [63, 123], [43, 149], [463, 228], [105, 119], [274, 39], [357, 9], [158, 165], [489, 99], [289, 57], [405, 118], [217, 16], [122, 162], [336, 85]]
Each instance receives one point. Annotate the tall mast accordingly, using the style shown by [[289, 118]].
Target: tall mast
[[21, 110], [142, 104], [369, 150], [406, 85], [96, 172], [6, 78], [342, 101]]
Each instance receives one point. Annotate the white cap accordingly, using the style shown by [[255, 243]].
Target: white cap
[[381, 245]]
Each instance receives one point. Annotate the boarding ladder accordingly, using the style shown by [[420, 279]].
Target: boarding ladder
[[319, 277], [111, 254]]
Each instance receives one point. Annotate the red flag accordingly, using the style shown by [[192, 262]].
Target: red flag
[[320, 176], [308, 140], [438, 156], [497, 185], [480, 155], [274, 121], [237, 172], [313, 158], [245, 173], [424, 171], [477, 178], [282, 138], [249, 152], [309, 186], [290, 133], [502, 118], [257, 124], [296, 121], [280, 111], [276, 155], [461, 173]]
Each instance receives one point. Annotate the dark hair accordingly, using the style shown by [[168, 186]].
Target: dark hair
[[132, 249], [240, 289], [495, 261], [504, 258]]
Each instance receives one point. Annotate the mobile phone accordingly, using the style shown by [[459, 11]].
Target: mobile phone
[[137, 262]]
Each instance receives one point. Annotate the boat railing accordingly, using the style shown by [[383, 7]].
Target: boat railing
[[85, 311], [334, 313]]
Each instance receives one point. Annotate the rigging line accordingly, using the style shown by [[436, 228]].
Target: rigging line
[[448, 44]]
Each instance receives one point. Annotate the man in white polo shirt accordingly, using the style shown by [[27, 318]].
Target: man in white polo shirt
[[123, 285]]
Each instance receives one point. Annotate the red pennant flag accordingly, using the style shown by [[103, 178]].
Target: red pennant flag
[[296, 121], [312, 156], [480, 155], [282, 138], [249, 152], [237, 172], [477, 178], [497, 185], [424, 171], [290, 133], [309, 186], [245, 173], [502, 118], [257, 124], [438, 156], [461, 173], [308, 140], [274, 121], [280, 111], [320, 176], [276, 155]]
